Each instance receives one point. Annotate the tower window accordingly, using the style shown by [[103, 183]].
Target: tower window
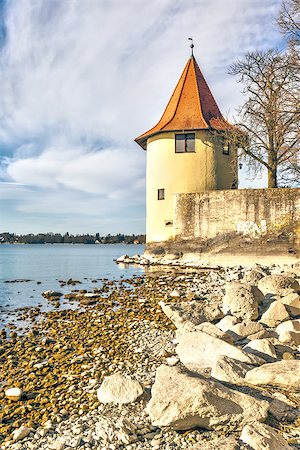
[[185, 143], [226, 148], [160, 194]]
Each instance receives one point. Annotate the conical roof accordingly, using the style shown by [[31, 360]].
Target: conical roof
[[191, 106]]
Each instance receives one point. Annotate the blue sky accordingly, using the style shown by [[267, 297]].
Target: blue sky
[[79, 80]]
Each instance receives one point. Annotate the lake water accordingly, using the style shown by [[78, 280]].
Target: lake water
[[50, 263]]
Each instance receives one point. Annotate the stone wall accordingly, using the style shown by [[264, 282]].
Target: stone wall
[[247, 222]]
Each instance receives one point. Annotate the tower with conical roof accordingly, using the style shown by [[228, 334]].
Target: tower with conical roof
[[188, 151]]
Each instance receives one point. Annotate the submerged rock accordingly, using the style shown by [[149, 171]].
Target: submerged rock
[[50, 294]]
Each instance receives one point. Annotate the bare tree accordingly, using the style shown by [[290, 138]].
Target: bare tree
[[270, 115], [289, 20]]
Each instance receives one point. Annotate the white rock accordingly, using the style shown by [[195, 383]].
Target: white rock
[[262, 348], [281, 374], [213, 330], [187, 314], [21, 433], [253, 276], [275, 314], [289, 325], [119, 389], [246, 329], [183, 402], [226, 323], [198, 350], [172, 360], [292, 337], [184, 314], [49, 293], [292, 303], [230, 370], [58, 444], [175, 293], [262, 437], [122, 258], [241, 300], [272, 284], [13, 394]]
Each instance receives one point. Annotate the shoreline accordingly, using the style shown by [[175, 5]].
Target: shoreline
[[62, 361]]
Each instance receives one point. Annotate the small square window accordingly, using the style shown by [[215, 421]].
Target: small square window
[[226, 148], [185, 143], [160, 194]]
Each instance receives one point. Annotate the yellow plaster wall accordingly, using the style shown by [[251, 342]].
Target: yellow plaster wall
[[180, 173]]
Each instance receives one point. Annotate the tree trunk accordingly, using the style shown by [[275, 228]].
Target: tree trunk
[[272, 178], [272, 162]]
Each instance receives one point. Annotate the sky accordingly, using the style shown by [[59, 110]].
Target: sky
[[79, 80]]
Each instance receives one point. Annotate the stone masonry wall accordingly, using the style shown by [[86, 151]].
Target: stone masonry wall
[[238, 221]]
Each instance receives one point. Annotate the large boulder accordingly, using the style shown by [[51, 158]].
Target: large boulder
[[291, 337], [241, 300], [273, 284], [189, 314], [253, 276], [289, 325], [245, 329], [263, 348], [281, 374], [292, 303], [230, 370], [262, 437], [213, 330], [227, 323], [198, 350], [184, 401], [119, 389], [275, 314]]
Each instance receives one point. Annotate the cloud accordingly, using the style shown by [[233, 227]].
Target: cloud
[[104, 172], [79, 80]]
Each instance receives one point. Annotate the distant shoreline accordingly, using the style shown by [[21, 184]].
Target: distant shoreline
[[69, 238], [72, 243]]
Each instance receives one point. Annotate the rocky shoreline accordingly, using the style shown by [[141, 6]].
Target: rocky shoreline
[[189, 358]]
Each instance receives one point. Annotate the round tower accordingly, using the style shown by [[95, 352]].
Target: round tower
[[188, 151]]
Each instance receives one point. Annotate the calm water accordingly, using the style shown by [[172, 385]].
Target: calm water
[[49, 263]]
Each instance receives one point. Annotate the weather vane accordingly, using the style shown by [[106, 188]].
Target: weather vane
[[192, 45]]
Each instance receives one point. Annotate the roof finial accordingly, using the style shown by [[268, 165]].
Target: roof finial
[[192, 46]]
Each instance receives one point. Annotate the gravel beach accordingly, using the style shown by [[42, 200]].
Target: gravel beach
[[60, 363]]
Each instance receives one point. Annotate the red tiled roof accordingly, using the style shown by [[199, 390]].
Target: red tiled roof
[[191, 106]]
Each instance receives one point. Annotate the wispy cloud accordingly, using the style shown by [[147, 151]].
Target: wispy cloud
[[79, 80]]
